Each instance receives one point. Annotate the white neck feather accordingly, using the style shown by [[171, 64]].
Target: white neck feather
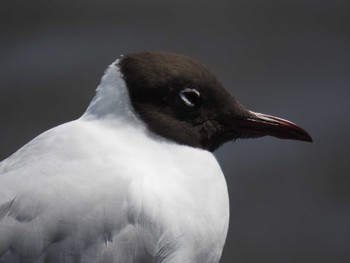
[[111, 102]]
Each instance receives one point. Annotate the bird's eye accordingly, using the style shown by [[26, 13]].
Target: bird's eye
[[191, 97]]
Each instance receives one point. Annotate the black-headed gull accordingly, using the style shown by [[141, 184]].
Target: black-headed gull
[[133, 179]]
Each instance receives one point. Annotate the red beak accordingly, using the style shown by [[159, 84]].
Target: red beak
[[258, 124]]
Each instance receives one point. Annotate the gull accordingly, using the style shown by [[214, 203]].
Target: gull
[[134, 179]]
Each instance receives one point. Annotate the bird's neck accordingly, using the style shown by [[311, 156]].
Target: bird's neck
[[111, 103]]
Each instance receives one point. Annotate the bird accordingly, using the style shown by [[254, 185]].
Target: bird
[[134, 179]]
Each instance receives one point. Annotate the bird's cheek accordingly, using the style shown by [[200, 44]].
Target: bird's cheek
[[209, 128]]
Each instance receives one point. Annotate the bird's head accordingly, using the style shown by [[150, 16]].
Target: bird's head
[[178, 98]]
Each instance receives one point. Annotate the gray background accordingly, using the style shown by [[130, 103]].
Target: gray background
[[289, 200]]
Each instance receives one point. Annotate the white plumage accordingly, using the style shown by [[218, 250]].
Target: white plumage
[[104, 188]]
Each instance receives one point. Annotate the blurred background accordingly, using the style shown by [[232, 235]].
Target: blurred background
[[290, 201]]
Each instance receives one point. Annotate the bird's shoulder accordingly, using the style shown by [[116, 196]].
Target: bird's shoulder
[[62, 177]]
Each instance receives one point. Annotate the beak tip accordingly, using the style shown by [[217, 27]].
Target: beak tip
[[300, 134], [296, 133], [304, 139], [308, 138]]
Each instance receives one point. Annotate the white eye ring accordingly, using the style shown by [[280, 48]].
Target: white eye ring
[[185, 99]]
